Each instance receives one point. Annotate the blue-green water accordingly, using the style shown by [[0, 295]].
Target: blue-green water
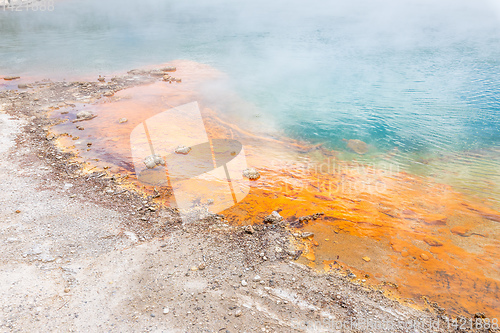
[[419, 76]]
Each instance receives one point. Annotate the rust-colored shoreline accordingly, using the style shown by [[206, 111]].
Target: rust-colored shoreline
[[424, 242]]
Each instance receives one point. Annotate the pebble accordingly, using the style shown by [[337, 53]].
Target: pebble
[[273, 218], [169, 69], [251, 174], [238, 313], [22, 86], [367, 259], [84, 115], [122, 120], [307, 234], [249, 229], [8, 78], [351, 275], [108, 93], [18, 211], [67, 290], [244, 283], [424, 256], [182, 150], [166, 310], [201, 266], [257, 278], [152, 161]]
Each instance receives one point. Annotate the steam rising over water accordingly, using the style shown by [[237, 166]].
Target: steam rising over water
[[416, 76]]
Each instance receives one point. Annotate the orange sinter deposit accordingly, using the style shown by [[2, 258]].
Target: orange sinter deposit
[[418, 240]]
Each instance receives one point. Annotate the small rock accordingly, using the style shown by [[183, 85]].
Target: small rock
[[108, 93], [22, 86], [84, 115], [167, 78], [238, 313], [182, 150], [201, 266], [249, 229], [168, 69], [152, 161], [256, 278], [135, 72], [101, 79], [424, 256], [275, 217], [367, 259], [166, 310], [351, 275], [307, 235], [122, 120], [153, 315], [194, 268], [251, 174], [67, 290], [18, 211], [244, 283], [9, 78]]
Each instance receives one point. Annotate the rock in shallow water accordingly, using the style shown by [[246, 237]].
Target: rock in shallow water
[[251, 174], [152, 161], [182, 150], [84, 115], [357, 146]]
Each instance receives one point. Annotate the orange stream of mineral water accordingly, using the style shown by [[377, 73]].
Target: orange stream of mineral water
[[423, 241]]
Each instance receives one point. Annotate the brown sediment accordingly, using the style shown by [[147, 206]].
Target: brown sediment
[[424, 240]]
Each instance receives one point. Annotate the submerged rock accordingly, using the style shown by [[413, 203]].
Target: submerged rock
[[251, 173], [357, 146], [136, 72], [152, 161], [182, 150], [275, 217]]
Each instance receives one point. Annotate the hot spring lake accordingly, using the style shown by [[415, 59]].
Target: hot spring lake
[[417, 81]]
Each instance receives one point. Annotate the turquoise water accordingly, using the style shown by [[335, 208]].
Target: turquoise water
[[413, 75]]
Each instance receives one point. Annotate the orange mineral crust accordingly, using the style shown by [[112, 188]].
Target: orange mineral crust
[[424, 238], [423, 241]]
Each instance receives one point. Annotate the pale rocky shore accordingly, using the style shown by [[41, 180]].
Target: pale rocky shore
[[79, 254]]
